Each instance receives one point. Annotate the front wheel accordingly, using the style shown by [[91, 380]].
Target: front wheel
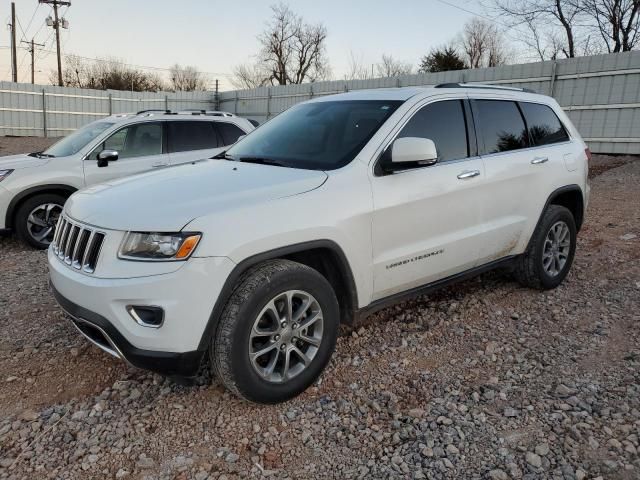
[[36, 219], [550, 253], [276, 333]]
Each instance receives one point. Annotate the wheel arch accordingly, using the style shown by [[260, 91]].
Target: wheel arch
[[59, 189], [325, 256], [571, 197]]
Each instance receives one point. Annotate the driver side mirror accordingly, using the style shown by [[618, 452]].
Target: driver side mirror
[[414, 149], [106, 156]]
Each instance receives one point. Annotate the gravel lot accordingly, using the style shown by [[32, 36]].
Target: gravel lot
[[482, 380]]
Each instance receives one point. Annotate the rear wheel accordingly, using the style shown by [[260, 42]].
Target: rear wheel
[[550, 254], [276, 333], [36, 219]]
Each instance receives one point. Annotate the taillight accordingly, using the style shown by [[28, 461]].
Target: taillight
[[588, 153]]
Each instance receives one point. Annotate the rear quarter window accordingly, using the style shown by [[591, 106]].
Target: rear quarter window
[[229, 132], [544, 126]]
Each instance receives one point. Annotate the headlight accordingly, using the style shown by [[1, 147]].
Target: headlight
[[158, 246], [4, 174]]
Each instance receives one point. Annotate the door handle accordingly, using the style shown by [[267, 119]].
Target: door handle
[[539, 160], [468, 174], [159, 164]]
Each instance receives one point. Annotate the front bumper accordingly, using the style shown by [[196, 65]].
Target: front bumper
[[98, 307]]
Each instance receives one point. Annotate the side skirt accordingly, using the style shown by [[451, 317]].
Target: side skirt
[[431, 287]]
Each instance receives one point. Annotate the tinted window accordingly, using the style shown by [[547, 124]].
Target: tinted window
[[229, 132], [185, 136], [318, 136], [544, 126], [501, 126], [444, 123], [134, 141]]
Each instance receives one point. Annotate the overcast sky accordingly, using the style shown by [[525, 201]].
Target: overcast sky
[[215, 36]]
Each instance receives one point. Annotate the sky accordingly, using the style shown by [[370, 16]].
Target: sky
[[215, 36]]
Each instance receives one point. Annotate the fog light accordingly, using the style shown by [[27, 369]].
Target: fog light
[[147, 316]]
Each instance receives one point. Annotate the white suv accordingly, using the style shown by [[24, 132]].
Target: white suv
[[34, 187], [329, 211]]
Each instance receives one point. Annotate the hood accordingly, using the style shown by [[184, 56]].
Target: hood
[[168, 199], [17, 162]]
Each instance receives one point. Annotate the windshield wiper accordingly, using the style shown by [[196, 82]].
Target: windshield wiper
[[41, 155], [263, 161]]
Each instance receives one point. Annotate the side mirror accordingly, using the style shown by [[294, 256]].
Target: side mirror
[[414, 149], [106, 156]]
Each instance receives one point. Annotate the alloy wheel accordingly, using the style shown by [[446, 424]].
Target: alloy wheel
[[556, 248], [41, 222]]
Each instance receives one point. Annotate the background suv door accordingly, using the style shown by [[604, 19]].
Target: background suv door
[[139, 147], [521, 160], [427, 219], [190, 140]]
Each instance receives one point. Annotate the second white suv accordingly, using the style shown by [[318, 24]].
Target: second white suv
[[329, 211], [34, 187]]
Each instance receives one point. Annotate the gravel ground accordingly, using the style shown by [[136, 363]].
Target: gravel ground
[[482, 380]]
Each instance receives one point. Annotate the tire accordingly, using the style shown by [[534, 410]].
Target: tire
[[530, 268], [42, 206], [256, 301]]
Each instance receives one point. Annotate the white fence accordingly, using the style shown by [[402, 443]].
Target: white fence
[[601, 94], [37, 110]]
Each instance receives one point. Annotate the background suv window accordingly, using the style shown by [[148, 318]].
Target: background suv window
[[444, 123], [543, 124], [229, 132], [185, 136], [136, 140], [501, 126]]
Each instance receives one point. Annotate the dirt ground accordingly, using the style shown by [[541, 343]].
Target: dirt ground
[[484, 379]]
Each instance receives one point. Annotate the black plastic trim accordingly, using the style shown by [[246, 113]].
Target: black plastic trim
[[559, 191], [33, 191], [430, 287], [247, 263], [184, 364]]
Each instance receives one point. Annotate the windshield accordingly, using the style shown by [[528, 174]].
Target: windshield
[[315, 136], [73, 143]]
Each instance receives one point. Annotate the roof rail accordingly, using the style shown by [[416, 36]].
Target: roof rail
[[485, 86], [153, 110], [213, 113]]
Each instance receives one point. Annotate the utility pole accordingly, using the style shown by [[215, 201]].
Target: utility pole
[[14, 55], [32, 51], [56, 24]]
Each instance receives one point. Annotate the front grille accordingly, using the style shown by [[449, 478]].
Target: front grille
[[77, 245]]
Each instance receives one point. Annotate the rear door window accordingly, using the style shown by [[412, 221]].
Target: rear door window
[[229, 132], [543, 124], [500, 125], [186, 136]]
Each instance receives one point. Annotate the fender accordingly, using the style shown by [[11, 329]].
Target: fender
[[57, 188], [281, 252]]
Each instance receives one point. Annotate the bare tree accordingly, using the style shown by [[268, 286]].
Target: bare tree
[[109, 73], [249, 76], [390, 67], [357, 69], [617, 22], [482, 44], [186, 79], [292, 51], [548, 16]]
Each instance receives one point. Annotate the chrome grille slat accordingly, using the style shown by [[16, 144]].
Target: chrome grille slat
[[77, 245]]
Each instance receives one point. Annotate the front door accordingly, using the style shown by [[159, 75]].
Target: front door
[[427, 219], [139, 147]]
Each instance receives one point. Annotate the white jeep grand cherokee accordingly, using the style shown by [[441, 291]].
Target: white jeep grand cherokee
[[331, 210]]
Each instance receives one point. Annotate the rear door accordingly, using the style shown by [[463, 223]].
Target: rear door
[[427, 219], [190, 140], [139, 146], [519, 166]]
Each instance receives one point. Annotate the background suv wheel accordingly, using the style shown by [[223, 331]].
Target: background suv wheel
[[276, 333], [550, 253], [36, 219]]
